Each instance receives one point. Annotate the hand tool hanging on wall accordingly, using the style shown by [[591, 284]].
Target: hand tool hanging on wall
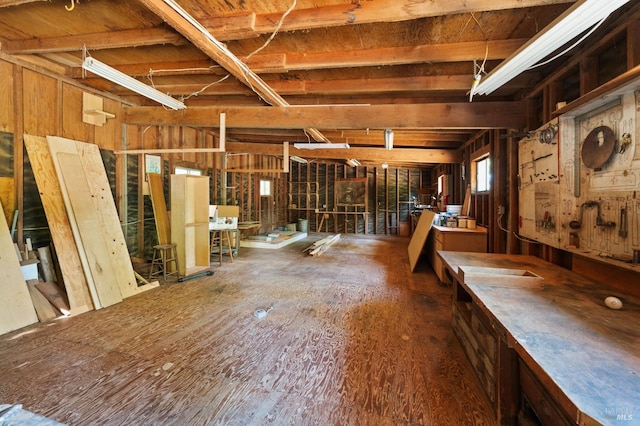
[[622, 232], [598, 147], [576, 224]]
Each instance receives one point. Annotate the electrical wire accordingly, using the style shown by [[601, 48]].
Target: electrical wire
[[478, 70], [197, 92], [241, 66], [499, 220], [273, 35], [526, 240]]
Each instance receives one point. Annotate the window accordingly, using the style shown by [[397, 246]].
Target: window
[[265, 188], [188, 171], [482, 174]]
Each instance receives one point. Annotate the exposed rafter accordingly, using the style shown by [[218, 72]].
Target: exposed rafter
[[250, 25], [96, 41], [508, 115], [274, 62], [6, 3], [408, 155], [218, 52]]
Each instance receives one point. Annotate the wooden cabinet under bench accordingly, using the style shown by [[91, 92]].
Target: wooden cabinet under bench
[[453, 239], [542, 342]]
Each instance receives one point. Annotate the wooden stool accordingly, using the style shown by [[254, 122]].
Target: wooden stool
[[217, 236], [163, 255]]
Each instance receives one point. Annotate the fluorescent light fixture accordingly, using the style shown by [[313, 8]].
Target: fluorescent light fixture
[[353, 162], [581, 16], [388, 138], [105, 71], [297, 159], [321, 145]]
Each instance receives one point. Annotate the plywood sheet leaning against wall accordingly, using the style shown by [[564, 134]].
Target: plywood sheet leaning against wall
[[96, 266], [91, 208], [420, 237], [112, 229], [159, 204], [50, 193], [16, 308]]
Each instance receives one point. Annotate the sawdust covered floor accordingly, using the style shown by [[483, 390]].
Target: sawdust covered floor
[[353, 339]]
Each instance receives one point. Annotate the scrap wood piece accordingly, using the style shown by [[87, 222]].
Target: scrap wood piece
[[46, 263], [55, 295], [466, 204], [324, 246], [318, 243], [44, 310], [147, 284]]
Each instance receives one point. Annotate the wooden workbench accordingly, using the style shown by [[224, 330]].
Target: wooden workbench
[[573, 360]]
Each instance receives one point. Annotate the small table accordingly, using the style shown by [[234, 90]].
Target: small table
[[574, 360]]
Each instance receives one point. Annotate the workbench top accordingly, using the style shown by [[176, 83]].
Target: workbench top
[[476, 230], [585, 354]]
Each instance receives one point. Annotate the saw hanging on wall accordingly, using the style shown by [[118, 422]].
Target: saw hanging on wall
[[598, 147]]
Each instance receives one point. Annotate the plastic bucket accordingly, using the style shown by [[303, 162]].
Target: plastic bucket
[[303, 225]]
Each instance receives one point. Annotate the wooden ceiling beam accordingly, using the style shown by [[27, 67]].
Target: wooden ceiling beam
[[6, 3], [339, 87], [248, 26], [95, 41], [478, 115], [335, 87], [284, 62], [196, 67], [408, 155], [402, 137], [219, 53], [449, 52]]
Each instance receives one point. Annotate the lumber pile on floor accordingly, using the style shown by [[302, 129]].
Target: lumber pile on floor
[[319, 247]]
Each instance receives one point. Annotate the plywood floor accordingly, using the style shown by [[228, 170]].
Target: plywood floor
[[354, 338]]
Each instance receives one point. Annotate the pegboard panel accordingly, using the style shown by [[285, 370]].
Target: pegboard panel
[[579, 188], [539, 178], [600, 209]]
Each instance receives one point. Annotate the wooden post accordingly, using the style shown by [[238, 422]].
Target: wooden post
[[508, 384], [588, 74], [513, 246], [375, 200], [18, 149], [497, 237]]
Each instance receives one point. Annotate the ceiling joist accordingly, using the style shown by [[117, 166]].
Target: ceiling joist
[[478, 115], [251, 25], [408, 155], [218, 52]]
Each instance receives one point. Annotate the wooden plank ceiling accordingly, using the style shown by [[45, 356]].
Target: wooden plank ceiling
[[328, 61]]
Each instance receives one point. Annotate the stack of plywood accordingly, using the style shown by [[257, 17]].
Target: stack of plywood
[[85, 228]]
